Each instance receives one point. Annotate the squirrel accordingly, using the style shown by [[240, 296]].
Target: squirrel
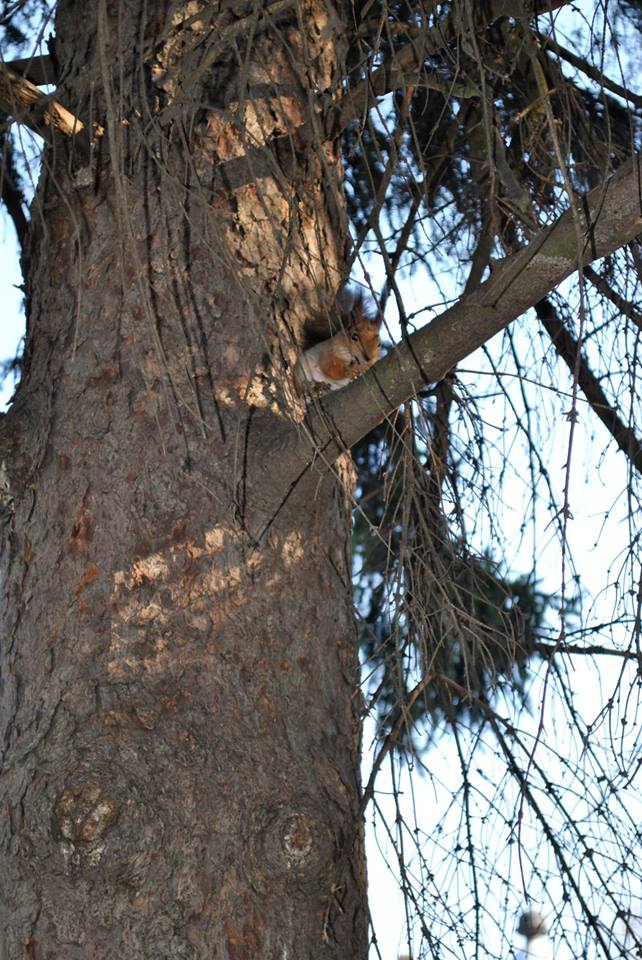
[[331, 360]]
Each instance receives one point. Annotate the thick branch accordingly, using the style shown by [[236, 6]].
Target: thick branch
[[611, 216], [37, 69], [23, 100], [568, 349]]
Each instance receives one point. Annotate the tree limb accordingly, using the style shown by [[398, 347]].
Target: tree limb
[[11, 193], [590, 650], [624, 306], [23, 100], [38, 69], [611, 216], [548, 43], [568, 349]]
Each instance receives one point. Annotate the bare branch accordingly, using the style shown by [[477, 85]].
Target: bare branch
[[38, 69], [402, 64], [11, 192], [568, 349], [549, 44], [23, 100], [593, 649], [625, 306]]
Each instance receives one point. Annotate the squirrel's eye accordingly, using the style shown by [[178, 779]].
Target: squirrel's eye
[[355, 336]]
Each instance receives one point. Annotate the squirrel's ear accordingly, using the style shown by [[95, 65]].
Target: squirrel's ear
[[345, 301]]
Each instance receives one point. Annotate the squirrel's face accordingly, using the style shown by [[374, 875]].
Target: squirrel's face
[[365, 341]]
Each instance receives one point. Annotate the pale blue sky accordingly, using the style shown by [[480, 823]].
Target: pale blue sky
[[12, 325]]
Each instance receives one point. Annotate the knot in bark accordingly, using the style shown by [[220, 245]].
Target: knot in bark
[[297, 839], [287, 843], [84, 812]]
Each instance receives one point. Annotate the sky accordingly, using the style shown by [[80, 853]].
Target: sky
[[597, 537], [12, 325]]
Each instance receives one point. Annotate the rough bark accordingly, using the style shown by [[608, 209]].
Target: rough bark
[[178, 704]]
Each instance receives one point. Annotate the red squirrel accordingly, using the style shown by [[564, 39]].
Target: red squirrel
[[330, 361]]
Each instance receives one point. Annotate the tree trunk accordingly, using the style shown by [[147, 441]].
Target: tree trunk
[[179, 699]]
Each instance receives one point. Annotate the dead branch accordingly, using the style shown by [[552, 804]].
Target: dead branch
[[625, 306], [11, 193], [568, 350], [401, 65], [23, 100], [38, 70], [548, 43], [591, 650]]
